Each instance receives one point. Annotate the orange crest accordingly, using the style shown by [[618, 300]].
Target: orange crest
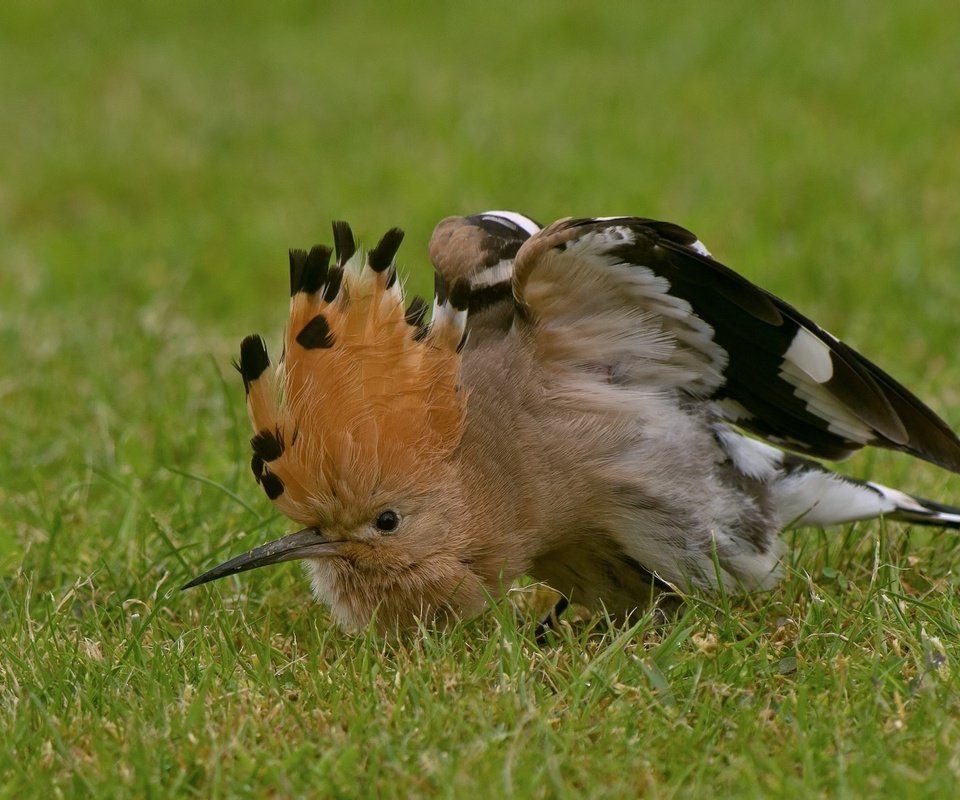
[[366, 396]]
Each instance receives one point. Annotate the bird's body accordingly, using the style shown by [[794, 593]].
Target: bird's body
[[584, 432]]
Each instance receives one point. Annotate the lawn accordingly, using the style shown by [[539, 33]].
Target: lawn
[[158, 160]]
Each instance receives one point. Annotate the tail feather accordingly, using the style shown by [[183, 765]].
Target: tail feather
[[804, 493], [918, 510], [813, 496]]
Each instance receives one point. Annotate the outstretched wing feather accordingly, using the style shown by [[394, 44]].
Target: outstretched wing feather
[[788, 379]]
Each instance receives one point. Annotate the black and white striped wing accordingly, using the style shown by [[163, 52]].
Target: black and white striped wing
[[481, 249], [643, 304]]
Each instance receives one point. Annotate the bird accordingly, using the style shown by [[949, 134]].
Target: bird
[[598, 404]]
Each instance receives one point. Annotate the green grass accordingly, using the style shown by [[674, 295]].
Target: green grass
[[156, 162]]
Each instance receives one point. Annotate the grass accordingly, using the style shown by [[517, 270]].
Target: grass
[[158, 160]]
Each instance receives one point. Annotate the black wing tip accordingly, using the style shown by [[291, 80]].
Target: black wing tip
[[945, 454], [383, 254]]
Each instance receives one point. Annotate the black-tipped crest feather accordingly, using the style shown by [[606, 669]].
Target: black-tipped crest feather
[[334, 280], [256, 466], [268, 445], [383, 254], [343, 242], [316, 334], [298, 259], [415, 312], [271, 484], [253, 359]]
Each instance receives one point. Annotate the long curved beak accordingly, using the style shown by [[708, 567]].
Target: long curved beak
[[308, 543]]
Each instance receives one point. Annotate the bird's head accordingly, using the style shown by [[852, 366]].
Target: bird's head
[[354, 437]]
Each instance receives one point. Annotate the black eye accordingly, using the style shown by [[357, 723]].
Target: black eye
[[388, 521]]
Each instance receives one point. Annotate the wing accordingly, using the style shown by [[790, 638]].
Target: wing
[[481, 248], [644, 305]]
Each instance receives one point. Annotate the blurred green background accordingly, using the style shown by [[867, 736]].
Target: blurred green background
[[158, 159]]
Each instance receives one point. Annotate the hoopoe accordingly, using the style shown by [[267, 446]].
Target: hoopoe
[[572, 412]]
